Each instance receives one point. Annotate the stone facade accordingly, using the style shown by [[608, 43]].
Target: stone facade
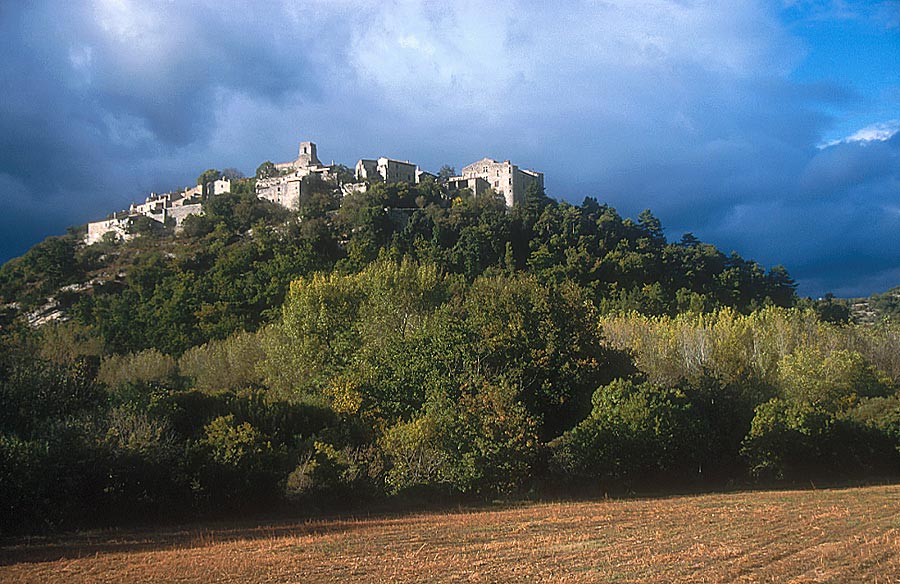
[[386, 170], [504, 177], [193, 192], [476, 185], [349, 188], [164, 208], [422, 175], [117, 224], [283, 190], [179, 213], [219, 187], [289, 188], [306, 158]]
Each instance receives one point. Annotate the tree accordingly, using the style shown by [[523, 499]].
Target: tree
[[207, 177], [535, 198], [232, 174], [445, 173], [782, 287], [145, 226], [266, 170], [52, 260], [650, 224]]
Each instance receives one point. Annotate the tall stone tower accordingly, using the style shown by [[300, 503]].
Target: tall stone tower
[[307, 155]]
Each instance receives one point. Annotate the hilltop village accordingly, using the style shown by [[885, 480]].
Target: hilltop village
[[286, 183]]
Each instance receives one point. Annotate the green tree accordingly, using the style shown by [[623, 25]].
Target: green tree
[[446, 172], [266, 169], [208, 176]]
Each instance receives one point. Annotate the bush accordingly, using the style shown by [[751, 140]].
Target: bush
[[231, 363], [481, 441], [834, 381], [417, 456], [328, 475], [146, 475], [148, 366], [801, 441], [638, 433], [236, 466]]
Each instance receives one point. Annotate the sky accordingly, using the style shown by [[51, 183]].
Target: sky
[[768, 128]]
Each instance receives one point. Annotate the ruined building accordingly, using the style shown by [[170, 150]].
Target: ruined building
[[504, 178], [167, 208], [287, 187]]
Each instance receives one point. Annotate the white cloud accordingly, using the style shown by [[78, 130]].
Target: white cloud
[[518, 55], [879, 132]]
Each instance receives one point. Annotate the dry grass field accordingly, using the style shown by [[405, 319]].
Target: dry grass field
[[844, 535]]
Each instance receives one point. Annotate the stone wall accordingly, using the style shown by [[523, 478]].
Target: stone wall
[[180, 212], [504, 177], [283, 190], [386, 170], [97, 229]]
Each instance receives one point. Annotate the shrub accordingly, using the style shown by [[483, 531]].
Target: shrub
[[642, 432], [329, 475], [417, 455], [148, 366], [146, 475], [800, 441], [237, 466], [834, 381], [231, 363]]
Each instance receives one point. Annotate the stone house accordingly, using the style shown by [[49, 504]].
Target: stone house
[[504, 178], [423, 175], [290, 187], [117, 223], [166, 208], [476, 185], [307, 159], [219, 187], [386, 170]]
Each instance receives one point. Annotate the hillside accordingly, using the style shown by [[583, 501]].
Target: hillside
[[416, 339], [228, 269]]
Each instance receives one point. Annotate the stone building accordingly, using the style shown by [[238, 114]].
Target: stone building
[[307, 158], [291, 185], [178, 213], [283, 190], [219, 187], [167, 208], [386, 170], [423, 175], [476, 185], [504, 178], [117, 223]]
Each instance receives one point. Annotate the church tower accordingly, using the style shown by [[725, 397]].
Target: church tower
[[307, 155]]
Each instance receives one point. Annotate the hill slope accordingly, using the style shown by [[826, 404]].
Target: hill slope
[[228, 269]]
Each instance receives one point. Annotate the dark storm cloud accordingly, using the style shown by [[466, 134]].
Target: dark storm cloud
[[100, 97], [686, 108]]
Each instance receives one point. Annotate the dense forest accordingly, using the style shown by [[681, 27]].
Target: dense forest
[[409, 341]]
